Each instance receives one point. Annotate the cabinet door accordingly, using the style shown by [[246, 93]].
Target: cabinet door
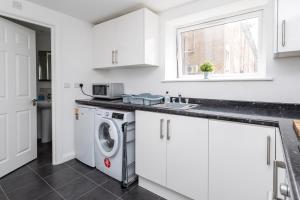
[[104, 44], [238, 166], [150, 147], [288, 25], [187, 156], [130, 38]]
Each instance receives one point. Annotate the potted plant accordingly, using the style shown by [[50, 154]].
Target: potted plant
[[206, 68]]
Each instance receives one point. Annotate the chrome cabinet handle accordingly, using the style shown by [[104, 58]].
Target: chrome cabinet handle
[[161, 128], [285, 190], [113, 57], [277, 164], [116, 56], [168, 130], [283, 32], [268, 150]]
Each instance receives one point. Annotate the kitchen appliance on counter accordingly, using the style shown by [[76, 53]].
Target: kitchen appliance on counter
[[108, 90]]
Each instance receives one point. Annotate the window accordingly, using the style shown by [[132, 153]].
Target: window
[[232, 45]]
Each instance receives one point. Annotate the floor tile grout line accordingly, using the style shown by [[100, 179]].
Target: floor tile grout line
[[16, 175], [4, 192], [128, 191], [85, 193], [18, 188], [69, 182], [56, 171], [39, 167], [99, 185], [47, 184]]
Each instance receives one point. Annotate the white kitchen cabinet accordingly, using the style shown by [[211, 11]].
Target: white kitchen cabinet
[[129, 40], [172, 151], [187, 156], [151, 152], [287, 29], [240, 161], [104, 44]]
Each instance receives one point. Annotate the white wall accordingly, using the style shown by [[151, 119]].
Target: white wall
[[286, 72], [73, 50]]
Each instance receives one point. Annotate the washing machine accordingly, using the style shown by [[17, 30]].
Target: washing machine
[[115, 144]]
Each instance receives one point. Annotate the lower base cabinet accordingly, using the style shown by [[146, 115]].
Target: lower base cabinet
[[240, 161], [172, 151], [205, 159]]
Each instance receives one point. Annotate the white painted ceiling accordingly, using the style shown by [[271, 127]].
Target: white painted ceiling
[[100, 10]]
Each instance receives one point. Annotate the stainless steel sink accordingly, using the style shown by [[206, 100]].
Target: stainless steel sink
[[176, 106]]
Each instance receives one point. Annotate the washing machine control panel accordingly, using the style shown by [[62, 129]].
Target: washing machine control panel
[[118, 116]]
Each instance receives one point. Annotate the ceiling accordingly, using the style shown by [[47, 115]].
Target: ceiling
[[95, 11]]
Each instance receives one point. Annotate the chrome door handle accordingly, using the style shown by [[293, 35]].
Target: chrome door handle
[[34, 102], [283, 32], [161, 128], [268, 150], [277, 164], [168, 130]]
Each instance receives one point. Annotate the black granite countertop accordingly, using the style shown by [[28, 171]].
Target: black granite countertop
[[268, 114]]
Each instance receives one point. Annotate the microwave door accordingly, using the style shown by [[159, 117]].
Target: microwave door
[[100, 90]]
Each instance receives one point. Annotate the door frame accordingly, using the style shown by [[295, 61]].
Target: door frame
[[54, 77]]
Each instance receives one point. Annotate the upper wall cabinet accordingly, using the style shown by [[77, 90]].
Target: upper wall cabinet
[[129, 40], [287, 40]]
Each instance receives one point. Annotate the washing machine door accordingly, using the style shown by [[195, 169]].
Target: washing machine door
[[107, 137]]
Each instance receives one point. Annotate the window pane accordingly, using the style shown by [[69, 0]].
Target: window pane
[[231, 47]]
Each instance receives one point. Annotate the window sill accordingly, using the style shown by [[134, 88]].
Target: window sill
[[214, 79]]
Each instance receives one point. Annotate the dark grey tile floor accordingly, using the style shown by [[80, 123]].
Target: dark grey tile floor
[[40, 180]]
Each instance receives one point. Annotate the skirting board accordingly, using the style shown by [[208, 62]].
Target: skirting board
[[68, 156], [160, 190]]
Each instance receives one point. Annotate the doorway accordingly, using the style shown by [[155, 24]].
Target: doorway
[[39, 135]]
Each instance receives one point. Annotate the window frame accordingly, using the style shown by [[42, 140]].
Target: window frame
[[222, 21]]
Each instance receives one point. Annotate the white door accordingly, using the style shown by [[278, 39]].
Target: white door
[[288, 25], [17, 90], [151, 146], [187, 156], [130, 38], [104, 44], [239, 166]]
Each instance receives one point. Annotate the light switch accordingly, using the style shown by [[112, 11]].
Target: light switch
[[67, 85]]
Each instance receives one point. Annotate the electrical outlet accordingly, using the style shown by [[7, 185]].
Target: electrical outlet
[[17, 5], [76, 85]]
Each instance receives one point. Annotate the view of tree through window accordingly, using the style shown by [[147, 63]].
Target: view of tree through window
[[231, 47]]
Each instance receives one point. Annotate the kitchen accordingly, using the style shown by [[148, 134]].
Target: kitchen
[[222, 130]]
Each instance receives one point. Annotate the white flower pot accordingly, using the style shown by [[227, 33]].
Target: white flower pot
[[206, 74]]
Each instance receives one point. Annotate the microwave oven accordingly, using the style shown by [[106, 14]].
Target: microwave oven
[[108, 90]]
